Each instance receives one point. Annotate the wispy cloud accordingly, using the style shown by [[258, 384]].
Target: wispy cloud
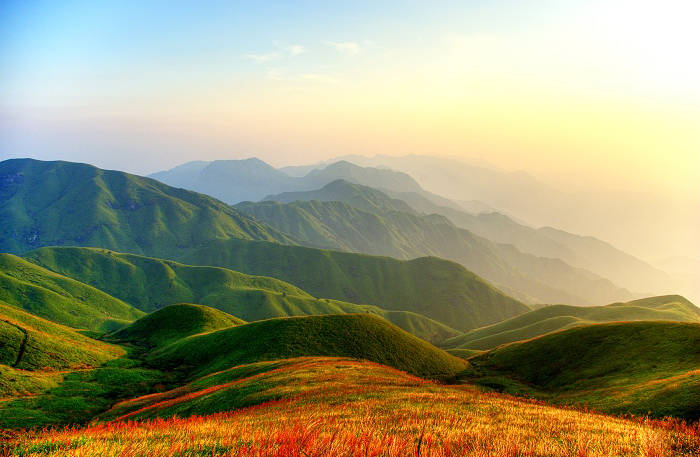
[[346, 47], [319, 78], [262, 57]]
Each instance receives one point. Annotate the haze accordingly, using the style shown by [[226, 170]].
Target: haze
[[584, 96]]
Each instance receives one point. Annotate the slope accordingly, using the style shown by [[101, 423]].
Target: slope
[[360, 336], [630, 367], [559, 317], [64, 203], [150, 284], [30, 343], [59, 298]]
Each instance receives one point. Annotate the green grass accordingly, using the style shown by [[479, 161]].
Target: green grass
[[629, 367], [29, 342], [78, 396], [173, 323], [361, 336], [60, 299], [149, 284], [559, 317], [433, 287], [73, 204]]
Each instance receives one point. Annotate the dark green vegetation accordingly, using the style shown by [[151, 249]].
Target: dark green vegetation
[[172, 323], [64, 203], [59, 298], [560, 317], [356, 218], [436, 288], [150, 284], [360, 336], [632, 367]]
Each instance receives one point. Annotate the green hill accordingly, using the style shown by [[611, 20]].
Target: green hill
[[30, 344], [60, 299], [173, 323], [560, 317], [360, 336], [433, 287], [630, 367], [150, 284], [361, 219], [64, 203]]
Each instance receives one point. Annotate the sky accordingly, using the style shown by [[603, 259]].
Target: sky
[[596, 93]]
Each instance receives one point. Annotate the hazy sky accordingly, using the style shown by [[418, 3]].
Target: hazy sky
[[592, 93]]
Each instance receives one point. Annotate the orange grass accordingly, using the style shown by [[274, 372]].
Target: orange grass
[[340, 407]]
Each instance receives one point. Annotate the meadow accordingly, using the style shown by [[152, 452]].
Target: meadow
[[343, 407]]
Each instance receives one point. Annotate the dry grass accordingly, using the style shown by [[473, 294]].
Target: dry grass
[[340, 407]]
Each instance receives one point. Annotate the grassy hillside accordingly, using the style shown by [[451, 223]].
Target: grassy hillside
[[361, 336], [630, 367], [60, 298], [560, 317], [64, 203], [149, 284], [172, 323], [328, 218], [436, 288], [341, 408], [28, 342]]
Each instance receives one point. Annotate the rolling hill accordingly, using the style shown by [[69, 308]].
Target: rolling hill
[[433, 287], [630, 367], [361, 336], [559, 317], [64, 203], [59, 298], [172, 323], [150, 284]]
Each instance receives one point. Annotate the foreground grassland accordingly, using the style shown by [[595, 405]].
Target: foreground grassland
[[341, 407]]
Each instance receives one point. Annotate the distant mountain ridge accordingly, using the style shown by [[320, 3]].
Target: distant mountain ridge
[[234, 181], [330, 218], [481, 219]]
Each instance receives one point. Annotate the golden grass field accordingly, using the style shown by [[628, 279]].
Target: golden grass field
[[342, 407]]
